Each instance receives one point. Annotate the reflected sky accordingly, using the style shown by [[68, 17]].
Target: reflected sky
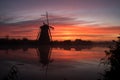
[[63, 64]]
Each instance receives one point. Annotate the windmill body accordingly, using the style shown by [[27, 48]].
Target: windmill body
[[44, 37]]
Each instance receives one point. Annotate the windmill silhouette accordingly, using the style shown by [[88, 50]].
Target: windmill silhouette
[[44, 35]]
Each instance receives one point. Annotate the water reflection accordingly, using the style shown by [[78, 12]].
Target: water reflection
[[13, 73], [65, 47], [70, 62], [44, 53]]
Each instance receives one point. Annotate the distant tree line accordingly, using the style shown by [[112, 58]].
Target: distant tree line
[[25, 41]]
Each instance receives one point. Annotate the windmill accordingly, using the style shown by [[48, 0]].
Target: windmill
[[44, 35]]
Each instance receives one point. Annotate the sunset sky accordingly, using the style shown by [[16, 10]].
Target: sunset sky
[[97, 20]]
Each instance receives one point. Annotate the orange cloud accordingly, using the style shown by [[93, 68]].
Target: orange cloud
[[86, 33], [65, 28]]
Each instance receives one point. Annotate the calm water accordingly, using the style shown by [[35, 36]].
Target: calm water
[[57, 63]]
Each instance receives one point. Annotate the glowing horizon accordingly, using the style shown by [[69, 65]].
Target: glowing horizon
[[72, 19]]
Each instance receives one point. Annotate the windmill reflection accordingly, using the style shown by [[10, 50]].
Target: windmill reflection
[[44, 53]]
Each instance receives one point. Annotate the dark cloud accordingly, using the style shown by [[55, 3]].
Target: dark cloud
[[18, 5], [92, 8], [111, 28], [54, 19], [21, 31]]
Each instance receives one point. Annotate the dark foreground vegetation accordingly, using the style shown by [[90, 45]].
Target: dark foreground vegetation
[[112, 59]]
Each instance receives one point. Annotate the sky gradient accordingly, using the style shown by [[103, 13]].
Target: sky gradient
[[72, 19]]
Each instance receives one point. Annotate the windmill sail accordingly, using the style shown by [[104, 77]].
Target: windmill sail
[[44, 36], [49, 26]]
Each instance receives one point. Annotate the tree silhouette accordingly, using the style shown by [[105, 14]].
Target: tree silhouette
[[113, 60]]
